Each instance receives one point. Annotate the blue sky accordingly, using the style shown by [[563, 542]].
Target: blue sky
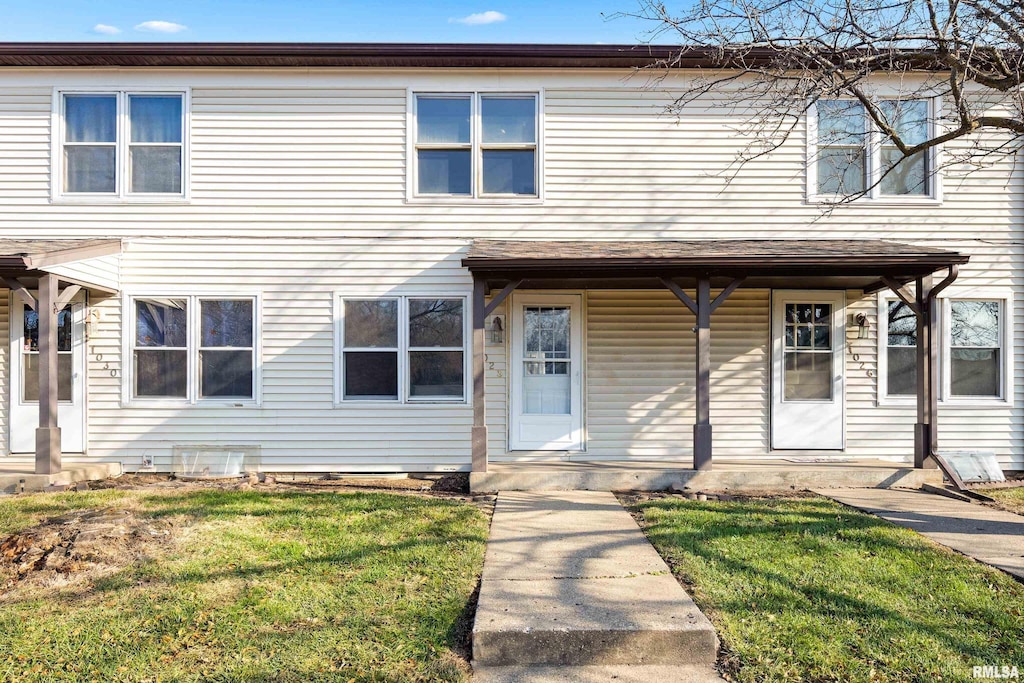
[[489, 21]]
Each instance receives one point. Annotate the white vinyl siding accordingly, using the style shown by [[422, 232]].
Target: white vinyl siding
[[299, 189]]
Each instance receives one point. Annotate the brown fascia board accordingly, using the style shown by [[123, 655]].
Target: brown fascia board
[[366, 55], [751, 265], [395, 55]]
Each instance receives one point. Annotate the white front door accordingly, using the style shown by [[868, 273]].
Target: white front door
[[808, 392], [547, 396], [70, 376]]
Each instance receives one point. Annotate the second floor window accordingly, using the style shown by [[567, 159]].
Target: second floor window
[[121, 144], [476, 145], [853, 157]]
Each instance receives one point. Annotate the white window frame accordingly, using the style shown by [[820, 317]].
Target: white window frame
[[194, 341], [404, 389], [476, 147], [122, 146], [872, 161], [1005, 300]]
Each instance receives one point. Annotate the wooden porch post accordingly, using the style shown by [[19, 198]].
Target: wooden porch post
[[48, 453], [702, 425], [703, 307], [479, 431], [927, 384]]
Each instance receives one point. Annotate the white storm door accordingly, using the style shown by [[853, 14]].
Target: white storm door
[[808, 391], [547, 396], [70, 376]]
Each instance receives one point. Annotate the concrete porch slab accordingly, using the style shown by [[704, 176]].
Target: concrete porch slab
[[12, 476], [728, 475]]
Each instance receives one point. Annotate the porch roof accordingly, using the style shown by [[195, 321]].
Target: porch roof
[[854, 263], [31, 254], [83, 262]]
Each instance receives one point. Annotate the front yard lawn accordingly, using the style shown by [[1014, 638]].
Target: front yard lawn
[[1011, 499], [225, 585], [808, 590]]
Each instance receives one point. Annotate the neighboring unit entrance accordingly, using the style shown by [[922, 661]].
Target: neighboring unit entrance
[[70, 376], [808, 341], [547, 398]]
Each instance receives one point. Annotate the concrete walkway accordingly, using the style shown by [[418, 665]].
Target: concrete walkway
[[573, 591], [988, 535]]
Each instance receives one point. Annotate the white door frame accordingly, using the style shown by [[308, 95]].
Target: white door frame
[[784, 434], [71, 415], [575, 440]]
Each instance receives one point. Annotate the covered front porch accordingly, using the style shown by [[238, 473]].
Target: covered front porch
[[50, 282], [641, 299]]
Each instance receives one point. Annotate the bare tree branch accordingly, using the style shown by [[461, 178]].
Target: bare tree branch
[[776, 59]]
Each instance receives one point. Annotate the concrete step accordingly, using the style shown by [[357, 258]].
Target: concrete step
[[756, 478], [570, 580], [597, 674]]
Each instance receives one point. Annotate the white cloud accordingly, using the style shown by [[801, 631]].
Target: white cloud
[[161, 27], [480, 18], [106, 29]]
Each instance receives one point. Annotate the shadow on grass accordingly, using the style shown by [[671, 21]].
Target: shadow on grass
[[856, 582], [402, 559]]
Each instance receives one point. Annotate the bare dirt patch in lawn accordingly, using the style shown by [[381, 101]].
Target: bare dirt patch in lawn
[[76, 549]]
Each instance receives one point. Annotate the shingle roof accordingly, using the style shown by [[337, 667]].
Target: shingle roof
[[753, 256], [30, 253]]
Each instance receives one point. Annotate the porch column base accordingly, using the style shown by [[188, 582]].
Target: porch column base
[[48, 453], [702, 447], [479, 440], [922, 446]]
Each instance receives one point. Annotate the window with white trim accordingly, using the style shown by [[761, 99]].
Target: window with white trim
[[473, 145], [975, 348], [972, 359], [851, 156], [120, 144], [193, 348], [403, 348]]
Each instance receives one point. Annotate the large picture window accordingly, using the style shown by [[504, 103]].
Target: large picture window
[[476, 145], [403, 349], [971, 349], [194, 348], [853, 157], [122, 144]]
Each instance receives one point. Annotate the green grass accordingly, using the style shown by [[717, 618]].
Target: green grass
[[808, 590], [1009, 499], [261, 586]]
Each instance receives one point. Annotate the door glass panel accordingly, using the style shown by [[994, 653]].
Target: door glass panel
[[30, 355], [546, 365], [808, 371]]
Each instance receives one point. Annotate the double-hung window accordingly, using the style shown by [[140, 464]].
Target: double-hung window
[[476, 145], [402, 348], [121, 145], [972, 357], [193, 348], [853, 157]]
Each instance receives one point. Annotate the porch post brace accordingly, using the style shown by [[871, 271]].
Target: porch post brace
[[67, 295], [680, 294], [903, 293], [500, 297], [479, 429], [21, 292], [48, 453]]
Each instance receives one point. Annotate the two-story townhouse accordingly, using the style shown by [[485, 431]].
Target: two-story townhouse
[[389, 258]]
